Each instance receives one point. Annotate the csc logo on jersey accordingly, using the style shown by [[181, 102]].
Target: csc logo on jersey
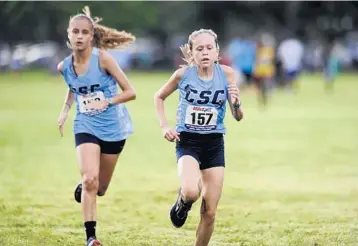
[[85, 89], [203, 97]]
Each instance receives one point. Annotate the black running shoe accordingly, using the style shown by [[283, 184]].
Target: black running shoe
[[78, 193], [92, 241], [179, 211]]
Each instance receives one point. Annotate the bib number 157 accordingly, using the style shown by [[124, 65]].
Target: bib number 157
[[201, 118]]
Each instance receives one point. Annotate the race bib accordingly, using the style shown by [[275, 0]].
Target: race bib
[[85, 100], [201, 118]]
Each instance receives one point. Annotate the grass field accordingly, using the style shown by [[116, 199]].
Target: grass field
[[291, 176]]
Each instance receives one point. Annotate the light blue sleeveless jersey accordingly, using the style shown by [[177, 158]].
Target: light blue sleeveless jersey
[[113, 124], [202, 103]]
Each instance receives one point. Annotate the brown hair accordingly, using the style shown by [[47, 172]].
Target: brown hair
[[187, 48], [104, 37]]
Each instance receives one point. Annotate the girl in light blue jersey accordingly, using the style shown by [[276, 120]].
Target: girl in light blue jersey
[[102, 123], [204, 87]]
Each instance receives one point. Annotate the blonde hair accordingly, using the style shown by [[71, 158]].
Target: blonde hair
[[104, 37], [187, 48]]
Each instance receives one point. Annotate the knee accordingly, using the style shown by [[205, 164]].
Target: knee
[[90, 182], [207, 213], [190, 193], [209, 216]]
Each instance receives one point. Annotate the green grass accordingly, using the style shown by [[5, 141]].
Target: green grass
[[291, 176]]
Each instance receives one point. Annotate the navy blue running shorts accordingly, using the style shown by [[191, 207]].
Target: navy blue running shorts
[[207, 149], [115, 147]]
